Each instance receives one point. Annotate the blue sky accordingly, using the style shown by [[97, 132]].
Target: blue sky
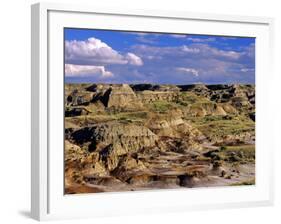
[[104, 56]]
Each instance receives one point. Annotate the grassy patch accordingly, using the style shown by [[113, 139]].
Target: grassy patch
[[85, 120], [131, 117], [191, 98], [245, 153], [248, 150], [161, 106], [94, 118], [219, 126]]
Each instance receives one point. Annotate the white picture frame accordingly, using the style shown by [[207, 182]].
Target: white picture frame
[[48, 201]]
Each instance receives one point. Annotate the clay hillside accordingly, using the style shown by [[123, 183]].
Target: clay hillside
[[124, 137]]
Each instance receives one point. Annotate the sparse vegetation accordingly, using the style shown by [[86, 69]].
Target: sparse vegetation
[[218, 127], [161, 106], [133, 116], [121, 137], [191, 98]]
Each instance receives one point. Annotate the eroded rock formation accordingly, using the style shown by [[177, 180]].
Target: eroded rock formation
[[121, 137]]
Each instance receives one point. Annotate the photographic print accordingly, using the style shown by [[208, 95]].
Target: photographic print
[[149, 111]]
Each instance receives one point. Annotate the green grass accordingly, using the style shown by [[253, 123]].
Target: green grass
[[248, 152], [219, 126], [191, 98], [90, 119], [185, 99], [161, 106], [131, 117]]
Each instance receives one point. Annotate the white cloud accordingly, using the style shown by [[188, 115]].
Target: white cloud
[[198, 61], [229, 54], [210, 51], [190, 49], [134, 59], [201, 40], [178, 35], [247, 69], [146, 40], [197, 50], [95, 52], [86, 70], [189, 71], [188, 63], [153, 57]]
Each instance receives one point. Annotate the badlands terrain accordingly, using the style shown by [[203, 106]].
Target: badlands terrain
[[121, 137]]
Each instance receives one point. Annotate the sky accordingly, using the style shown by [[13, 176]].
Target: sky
[[104, 56]]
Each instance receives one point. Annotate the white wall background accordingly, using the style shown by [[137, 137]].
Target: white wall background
[[15, 110]]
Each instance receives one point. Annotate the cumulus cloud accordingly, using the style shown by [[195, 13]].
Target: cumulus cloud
[[134, 59], [204, 62], [188, 71], [86, 70], [200, 51], [190, 59], [95, 52], [214, 52]]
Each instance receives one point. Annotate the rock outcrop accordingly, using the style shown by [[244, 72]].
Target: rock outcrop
[[148, 96], [116, 97], [121, 137], [123, 97], [205, 109], [124, 138]]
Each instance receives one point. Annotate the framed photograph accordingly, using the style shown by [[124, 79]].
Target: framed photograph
[[138, 111]]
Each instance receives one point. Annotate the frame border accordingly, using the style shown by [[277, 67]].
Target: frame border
[[40, 88]]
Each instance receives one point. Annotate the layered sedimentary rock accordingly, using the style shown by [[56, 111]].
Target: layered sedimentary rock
[[121, 137], [123, 97], [148, 96], [118, 97], [128, 137]]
